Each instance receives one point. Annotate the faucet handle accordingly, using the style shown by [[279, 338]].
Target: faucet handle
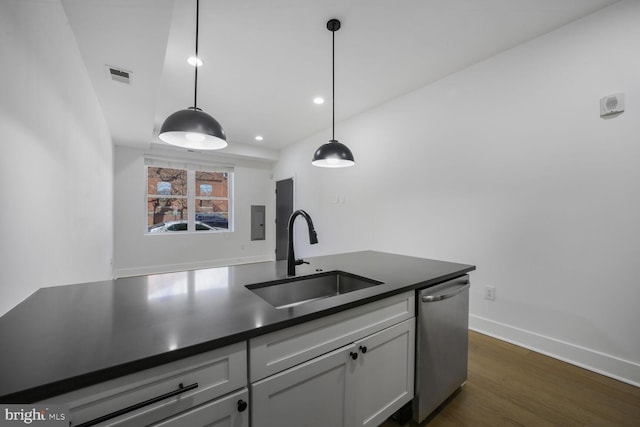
[[301, 261]]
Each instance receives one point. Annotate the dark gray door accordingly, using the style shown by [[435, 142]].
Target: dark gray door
[[284, 209]]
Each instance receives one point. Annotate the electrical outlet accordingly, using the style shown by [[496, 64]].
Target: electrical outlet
[[490, 293]]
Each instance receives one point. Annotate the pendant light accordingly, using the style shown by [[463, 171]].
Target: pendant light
[[333, 154], [193, 128]]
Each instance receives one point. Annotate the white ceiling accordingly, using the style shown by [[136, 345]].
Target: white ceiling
[[264, 61]]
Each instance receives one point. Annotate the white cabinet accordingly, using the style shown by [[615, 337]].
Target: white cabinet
[[358, 384], [279, 350], [228, 411], [315, 393], [383, 378], [161, 392]]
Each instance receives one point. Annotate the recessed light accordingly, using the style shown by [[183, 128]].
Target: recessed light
[[196, 62], [259, 138], [318, 100]]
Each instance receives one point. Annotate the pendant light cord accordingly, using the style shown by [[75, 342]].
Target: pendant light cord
[[195, 91], [333, 85]]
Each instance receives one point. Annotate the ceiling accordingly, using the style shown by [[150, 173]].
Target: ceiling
[[265, 61]]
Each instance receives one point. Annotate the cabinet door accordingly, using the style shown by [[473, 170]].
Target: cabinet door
[[316, 393], [384, 376], [229, 411]]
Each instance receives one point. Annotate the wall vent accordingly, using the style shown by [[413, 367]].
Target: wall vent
[[119, 75]]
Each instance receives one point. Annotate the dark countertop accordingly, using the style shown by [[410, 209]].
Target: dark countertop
[[67, 337]]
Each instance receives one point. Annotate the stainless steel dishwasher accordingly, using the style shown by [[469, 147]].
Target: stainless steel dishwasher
[[442, 343]]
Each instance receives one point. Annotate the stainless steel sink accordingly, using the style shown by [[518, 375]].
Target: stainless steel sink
[[294, 291]]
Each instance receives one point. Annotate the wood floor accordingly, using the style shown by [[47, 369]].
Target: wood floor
[[512, 386]]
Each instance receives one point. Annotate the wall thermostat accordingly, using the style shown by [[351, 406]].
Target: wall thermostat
[[612, 104]]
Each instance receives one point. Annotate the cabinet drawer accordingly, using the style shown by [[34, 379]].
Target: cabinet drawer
[[194, 380], [225, 411], [274, 352]]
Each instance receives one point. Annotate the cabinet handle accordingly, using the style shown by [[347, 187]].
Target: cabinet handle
[[181, 389], [363, 349], [353, 355], [242, 405]]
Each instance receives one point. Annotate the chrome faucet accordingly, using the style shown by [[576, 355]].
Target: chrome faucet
[[313, 239]]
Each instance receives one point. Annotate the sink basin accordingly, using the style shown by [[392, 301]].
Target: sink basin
[[294, 291]]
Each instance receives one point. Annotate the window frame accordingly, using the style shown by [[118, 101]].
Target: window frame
[[191, 196]]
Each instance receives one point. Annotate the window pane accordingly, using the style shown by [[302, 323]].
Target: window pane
[[166, 197], [212, 199], [161, 210], [214, 213], [212, 184], [166, 181]]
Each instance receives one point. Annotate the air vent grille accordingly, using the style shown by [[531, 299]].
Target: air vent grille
[[119, 75]]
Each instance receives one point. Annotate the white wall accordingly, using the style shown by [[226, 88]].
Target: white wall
[[140, 253], [56, 165], [507, 165]]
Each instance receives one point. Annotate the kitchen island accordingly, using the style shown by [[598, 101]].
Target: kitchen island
[[65, 338]]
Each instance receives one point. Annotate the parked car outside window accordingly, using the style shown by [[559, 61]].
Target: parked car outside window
[[180, 226], [213, 219]]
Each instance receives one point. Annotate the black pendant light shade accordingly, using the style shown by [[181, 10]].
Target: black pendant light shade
[[333, 154], [193, 128]]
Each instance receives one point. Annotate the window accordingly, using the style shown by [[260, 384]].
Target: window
[[188, 198]]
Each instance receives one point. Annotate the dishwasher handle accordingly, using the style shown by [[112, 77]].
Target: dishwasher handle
[[455, 290]]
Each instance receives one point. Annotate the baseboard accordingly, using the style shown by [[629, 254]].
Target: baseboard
[[172, 268], [601, 363]]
